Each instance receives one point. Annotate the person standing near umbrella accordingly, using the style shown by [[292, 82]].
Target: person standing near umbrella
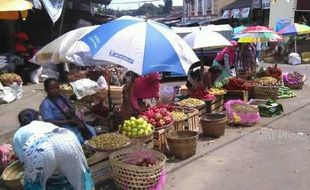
[[225, 60]]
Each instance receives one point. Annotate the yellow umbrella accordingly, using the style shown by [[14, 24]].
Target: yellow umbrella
[[14, 9]]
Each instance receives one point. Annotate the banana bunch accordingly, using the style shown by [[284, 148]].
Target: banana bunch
[[217, 92]]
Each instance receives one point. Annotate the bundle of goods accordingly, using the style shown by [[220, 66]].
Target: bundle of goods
[[84, 87], [266, 81], [138, 168], [76, 75], [294, 80], [270, 109], [236, 83], [217, 92], [158, 116], [285, 92], [241, 113], [167, 94], [191, 103], [7, 79], [274, 72], [202, 94], [109, 142], [136, 128]]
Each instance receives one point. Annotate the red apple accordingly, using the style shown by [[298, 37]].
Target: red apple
[[158, 116], [167, 120]]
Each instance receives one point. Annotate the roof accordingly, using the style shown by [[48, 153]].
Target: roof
[[238, 4], [215, 28]]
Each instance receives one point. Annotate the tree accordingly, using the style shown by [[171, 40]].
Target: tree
[[168, 6]]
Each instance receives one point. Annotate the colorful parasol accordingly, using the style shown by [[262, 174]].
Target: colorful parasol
[[257, 37], [14, 9], [257, 29], [239, 29], [295, 29]]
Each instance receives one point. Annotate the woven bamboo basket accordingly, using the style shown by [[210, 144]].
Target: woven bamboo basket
[[12, 176], [182, 144], [136, 177], [266, 92], [298, 86]]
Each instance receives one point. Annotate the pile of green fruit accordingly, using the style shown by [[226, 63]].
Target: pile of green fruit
[[109, 141], [137, 128]]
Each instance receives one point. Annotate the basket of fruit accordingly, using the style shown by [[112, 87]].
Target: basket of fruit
[[180, 119], [294, 81], [109, 142], [191, 103], [158, 116], [137, 128], [137, 168]]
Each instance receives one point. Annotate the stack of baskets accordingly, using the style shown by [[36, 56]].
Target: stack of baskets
[[128, 176]]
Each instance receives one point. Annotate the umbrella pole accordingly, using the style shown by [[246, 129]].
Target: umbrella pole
[[202, 68], [295, 44]]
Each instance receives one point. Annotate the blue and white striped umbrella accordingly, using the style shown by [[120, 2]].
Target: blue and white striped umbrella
[[142, 46]]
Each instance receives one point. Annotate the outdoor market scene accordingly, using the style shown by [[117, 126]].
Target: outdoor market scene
[[200, 95]]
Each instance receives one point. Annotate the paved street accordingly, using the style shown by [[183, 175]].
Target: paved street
[[272, 155]]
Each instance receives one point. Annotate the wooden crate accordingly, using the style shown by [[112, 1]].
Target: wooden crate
[[116, 94], [202, 110], [237, 94], [191, 123], [100, 167], [216, 105], [159, 139]]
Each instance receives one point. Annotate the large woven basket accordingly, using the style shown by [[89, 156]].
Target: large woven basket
[[135, 177], [12, 176], [182, 144], [266, 92]]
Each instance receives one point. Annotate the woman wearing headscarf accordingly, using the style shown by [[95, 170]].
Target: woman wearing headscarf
[[56, 109], [226, 59], [52, 157]]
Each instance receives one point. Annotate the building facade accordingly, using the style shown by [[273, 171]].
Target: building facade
[[201, 8]]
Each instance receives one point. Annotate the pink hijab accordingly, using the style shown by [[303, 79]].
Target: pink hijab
[[228, 50]]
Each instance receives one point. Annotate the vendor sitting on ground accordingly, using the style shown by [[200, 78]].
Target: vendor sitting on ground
[[194, 81], [225, 60], [52, 157], [56, 109]]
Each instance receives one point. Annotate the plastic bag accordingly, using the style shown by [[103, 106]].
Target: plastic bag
[[35, 76], [6, 94], [102, 83], [167, 94], [17, 90], [239, 112], [270, 109], [294, 59], [84, 87]]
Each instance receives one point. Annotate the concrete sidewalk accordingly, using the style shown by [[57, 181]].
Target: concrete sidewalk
[[32, 97]]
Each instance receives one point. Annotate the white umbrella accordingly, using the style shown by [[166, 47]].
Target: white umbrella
[[57, 50], [206, 39]]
